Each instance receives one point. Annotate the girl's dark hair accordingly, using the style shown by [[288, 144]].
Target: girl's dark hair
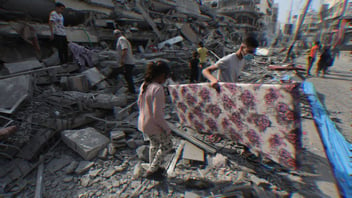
[[154, 69]]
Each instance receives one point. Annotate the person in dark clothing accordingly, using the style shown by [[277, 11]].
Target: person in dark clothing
[[194, 66], [324, 61]]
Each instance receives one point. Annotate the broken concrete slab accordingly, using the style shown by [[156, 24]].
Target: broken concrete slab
[[87, 142], [94, 76], [58, 163], [75, 83], [13, 92], [171, 41], [189, 33], [81, 36], [23, 66], [83, 166], [91, 100], [192, 152], [117, 135]]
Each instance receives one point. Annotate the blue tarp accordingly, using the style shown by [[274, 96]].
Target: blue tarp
[[338, 149]]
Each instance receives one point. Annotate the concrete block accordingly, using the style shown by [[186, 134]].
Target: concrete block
[[23, 66], [86, 142], [189, 33], [13, 92], [94, 76], [117, 135], [192, 152], [75, 83]]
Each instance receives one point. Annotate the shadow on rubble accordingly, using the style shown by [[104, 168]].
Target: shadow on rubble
[[321, 98], [303, 180], [204, 188], [337, 78]]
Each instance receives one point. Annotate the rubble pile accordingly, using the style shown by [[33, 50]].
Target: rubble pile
[[76, 124]]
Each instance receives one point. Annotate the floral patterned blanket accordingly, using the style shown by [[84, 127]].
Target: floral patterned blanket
[[264, 117]]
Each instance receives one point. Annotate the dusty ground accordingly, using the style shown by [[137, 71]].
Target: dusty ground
[[335, 92]]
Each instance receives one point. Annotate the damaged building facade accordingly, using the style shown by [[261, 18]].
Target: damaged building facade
[[255, 16]]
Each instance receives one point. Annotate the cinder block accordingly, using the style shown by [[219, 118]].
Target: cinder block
[[86, 142], [78, 83]]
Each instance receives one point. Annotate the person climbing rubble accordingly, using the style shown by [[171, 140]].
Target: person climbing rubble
[[125, 56]]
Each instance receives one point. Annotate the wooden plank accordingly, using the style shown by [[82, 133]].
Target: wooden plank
[[171, 168]]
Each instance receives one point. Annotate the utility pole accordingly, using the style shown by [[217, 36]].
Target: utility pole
[[290, 13], [322, 16], [298, 28]]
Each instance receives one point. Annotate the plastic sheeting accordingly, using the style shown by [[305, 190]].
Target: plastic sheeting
[[338, 150]]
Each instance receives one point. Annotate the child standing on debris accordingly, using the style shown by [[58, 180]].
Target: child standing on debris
[[194, 66], [151, 102], [230, 66]]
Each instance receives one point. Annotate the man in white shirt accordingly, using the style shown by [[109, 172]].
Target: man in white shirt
[[58, 33], [125, 56], [229, 67]]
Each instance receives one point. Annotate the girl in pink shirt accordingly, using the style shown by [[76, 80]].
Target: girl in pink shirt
[[151, 102]]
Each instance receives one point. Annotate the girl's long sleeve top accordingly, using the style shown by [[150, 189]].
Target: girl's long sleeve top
[[151, 105]]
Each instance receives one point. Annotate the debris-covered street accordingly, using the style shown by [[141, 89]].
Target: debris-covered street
[[69, 120]]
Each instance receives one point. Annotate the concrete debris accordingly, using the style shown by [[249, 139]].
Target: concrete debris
[[83, 166], [87, 142], [13, 92], [23, 66], [86, 105]]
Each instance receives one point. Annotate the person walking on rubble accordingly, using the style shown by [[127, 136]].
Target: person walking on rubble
[[203, 56], [230, 66], [58, 32], [125, 56], [194, 66], [312, 56], [151, 102]]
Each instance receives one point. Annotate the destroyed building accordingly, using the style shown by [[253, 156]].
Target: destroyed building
[[257, 16], [70, 130]]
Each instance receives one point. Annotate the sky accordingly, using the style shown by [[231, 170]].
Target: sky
[[284, 7]]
